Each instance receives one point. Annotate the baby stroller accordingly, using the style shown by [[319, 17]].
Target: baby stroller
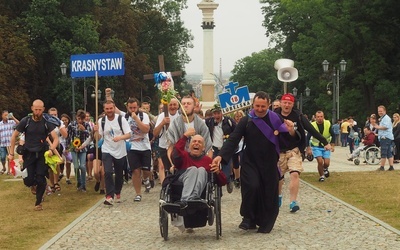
[[198, 212]]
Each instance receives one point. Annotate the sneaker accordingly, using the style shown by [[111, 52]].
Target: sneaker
[[381, 168], [326, 172], [82, 189], [68, 181], [118, 198], [138, 198], [280, 200], [147, 186], [109, 201], [294, 206], [391, 168], [321, 179], [97, 186], [350, 159], [229, 187], [102, 191], [236, 182]]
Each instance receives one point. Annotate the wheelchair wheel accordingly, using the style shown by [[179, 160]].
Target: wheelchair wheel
[[373, 155], [217, 211], [163, 215], [163, 223]]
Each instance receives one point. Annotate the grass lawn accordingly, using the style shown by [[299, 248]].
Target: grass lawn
[[24, 228], [376, 193]]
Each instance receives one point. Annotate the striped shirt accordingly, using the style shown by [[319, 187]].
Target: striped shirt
[[6, 130]]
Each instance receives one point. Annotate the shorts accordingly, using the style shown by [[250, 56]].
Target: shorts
[[92, 150], [291, 161], [139, 159], [164, 158], [321, 152], [386, 148], [3, 153]]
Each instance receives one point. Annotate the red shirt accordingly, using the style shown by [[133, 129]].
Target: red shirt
[[184, 160], [369, 139]]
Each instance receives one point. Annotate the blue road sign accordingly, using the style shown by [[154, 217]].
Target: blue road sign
[[106, 64], [235, 98]]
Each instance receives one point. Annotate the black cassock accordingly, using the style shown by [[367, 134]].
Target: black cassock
[[259, 174]]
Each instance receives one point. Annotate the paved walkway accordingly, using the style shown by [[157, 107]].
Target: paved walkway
[[323, 222]]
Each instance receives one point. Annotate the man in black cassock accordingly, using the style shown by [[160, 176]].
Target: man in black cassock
[[259, 174]]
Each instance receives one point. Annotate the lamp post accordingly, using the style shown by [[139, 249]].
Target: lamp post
[[85, 92], [335, 86], [63, 68], [300, 102]]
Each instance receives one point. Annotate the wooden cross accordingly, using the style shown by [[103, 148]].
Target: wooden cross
[[162, 69]]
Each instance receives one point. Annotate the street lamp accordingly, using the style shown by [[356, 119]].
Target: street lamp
[[300, 102], [335, 86], [85, 93], [63, 68]]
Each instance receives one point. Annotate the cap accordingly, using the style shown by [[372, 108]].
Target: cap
[[216, 108], [287, 97]]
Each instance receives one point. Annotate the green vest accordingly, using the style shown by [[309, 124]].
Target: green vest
[[327, 124]]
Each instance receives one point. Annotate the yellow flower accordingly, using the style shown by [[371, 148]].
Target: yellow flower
[[76, 143]]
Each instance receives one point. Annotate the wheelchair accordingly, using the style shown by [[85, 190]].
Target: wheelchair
[[370, 154], [198, 212]]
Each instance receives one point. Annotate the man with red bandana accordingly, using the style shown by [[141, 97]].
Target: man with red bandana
[[290, 158]]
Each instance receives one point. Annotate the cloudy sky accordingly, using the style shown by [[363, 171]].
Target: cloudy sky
[[238, 32]]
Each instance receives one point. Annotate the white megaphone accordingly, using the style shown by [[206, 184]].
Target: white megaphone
[[286, 70]]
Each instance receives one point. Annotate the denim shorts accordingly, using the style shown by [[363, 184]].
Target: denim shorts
[[386, 148], [3, 153], [321, 152]]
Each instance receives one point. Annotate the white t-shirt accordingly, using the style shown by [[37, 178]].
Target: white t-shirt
[[139, 140], [218, 135], [163, 141], [111, 130]]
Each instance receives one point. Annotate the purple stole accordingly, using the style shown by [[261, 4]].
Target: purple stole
[[269, 133]]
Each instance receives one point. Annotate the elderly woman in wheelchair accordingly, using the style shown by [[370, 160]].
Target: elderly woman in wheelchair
[[369, 147]]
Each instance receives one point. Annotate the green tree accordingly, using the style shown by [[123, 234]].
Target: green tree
[[365, 34], [258, 73], [16, 67]]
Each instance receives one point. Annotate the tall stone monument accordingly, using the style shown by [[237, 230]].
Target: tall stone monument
[[208, 82]]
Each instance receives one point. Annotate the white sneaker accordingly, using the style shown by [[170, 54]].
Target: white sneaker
[[109, 201], [147, 186]]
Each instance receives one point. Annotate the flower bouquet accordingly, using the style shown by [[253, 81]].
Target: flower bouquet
[[165, 84]]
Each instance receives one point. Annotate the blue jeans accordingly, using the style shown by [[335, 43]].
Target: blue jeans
[[79, 161], [343, 138]]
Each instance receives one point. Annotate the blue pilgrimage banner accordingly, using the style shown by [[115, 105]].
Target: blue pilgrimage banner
[[235, 98], [105, 64]]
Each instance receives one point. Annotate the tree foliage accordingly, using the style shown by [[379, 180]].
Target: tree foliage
[[364, 33], [40, 35]]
